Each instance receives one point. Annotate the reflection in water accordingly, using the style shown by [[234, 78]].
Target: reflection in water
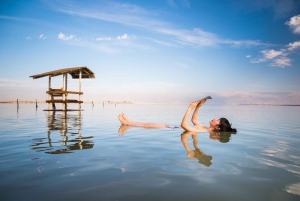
[[68, 125], [197, 153], [202, 158], [293, 188], [223, 137]]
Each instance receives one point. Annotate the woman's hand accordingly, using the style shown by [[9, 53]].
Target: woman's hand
[[201, 102]]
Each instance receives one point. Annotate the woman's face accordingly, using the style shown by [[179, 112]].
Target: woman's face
[[214, 123]]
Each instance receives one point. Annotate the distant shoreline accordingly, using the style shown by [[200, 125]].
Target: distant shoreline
[[271, 104], [91, 102]]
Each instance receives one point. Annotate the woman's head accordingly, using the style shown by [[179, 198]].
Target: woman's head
[[221, 125]]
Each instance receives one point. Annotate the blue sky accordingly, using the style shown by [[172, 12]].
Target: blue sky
[[175, 51]]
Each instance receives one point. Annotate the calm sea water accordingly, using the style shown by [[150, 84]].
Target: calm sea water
[[85, 156]]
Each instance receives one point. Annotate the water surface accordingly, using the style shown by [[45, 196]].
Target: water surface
[[84, 156]]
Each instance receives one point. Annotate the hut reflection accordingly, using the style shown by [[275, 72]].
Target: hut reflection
[[64, 134]]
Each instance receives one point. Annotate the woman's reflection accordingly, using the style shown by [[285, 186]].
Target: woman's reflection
[[197, 153]]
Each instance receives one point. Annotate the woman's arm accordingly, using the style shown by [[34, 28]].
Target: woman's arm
[[195, 114], [184, 122]]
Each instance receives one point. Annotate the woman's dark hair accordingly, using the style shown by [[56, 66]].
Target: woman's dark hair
[[224, 125]]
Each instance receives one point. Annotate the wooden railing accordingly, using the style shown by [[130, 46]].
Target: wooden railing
[[59, 93]]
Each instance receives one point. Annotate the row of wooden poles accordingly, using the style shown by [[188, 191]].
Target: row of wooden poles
[[36, 105]]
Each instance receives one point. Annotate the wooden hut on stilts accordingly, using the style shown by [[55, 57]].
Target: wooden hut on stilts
[[76, 73]]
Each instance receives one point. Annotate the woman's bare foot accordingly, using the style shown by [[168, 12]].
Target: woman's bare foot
[[125, 118], [122, 120]]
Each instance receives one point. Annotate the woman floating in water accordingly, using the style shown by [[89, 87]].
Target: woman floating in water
[[220, 125]]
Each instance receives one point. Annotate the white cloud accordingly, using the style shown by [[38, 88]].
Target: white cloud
[[248, 56], [102, 39], [123, 37], [270, 54], [267, 55], [294, 45], [28, 38], [278, 58], [294, 23], [281, 62], [64, 37]]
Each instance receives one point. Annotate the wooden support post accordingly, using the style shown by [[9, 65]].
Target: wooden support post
[[49, 96], [64, 95], [80, 74], [66, 88]]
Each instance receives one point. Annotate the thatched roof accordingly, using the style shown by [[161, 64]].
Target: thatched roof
[[74, 72]]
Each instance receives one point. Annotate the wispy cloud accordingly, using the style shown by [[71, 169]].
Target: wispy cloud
[[121, 37], [16, 83], [294, 24], [271, 54], [111, 45], [104, 38], [42, 36], [111, 49], [136, 16], [175, 3], [164, 43], [277, 58], [12, 18], [132, 87], [242, 97], [281, 62], [181, 65], [26, 20], [28, 38]]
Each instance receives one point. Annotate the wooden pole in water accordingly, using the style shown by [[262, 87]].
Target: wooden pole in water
[[36, 105], [17, 104], [80, 74], [64, 95], [49, 88], [66, 88]]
